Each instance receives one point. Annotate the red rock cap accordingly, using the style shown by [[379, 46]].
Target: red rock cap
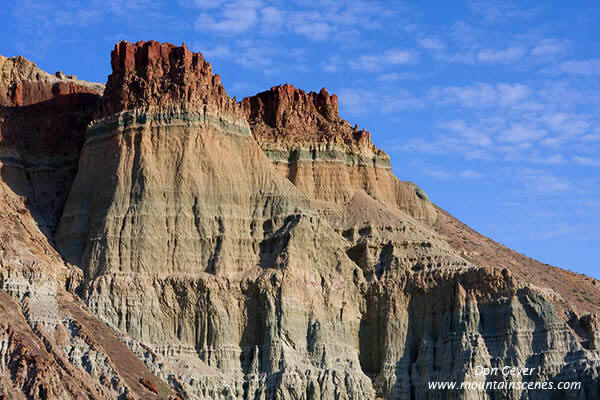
[[159, 74]]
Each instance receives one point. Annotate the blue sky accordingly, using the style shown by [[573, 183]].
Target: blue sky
[[493, 107]]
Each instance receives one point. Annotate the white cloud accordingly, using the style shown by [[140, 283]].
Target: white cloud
[[470, 134], [202, 4], [578, 67], [588, 162], [567, 125], [511, 94], [514, 122], [484, 56], [501, 10], [519, 133], [253, 55], [541, 182], [332, 64], [354, 101], [272, 15], [376, 62], [464, 33], [315, 21], [437, 173], [313, 30], [236, 17], [432, 43], [564, 95], [220, 51], [553, 159], [389, 77], [369, 102], [399, 100], [549, 47], [481, 95], [507, 55], [396, 76], [470, 174], [42, 24], [592, 137]]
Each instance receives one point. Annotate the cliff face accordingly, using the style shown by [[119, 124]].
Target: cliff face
[[50, 347], [256, 250], [204, 207], [194, 245], [324, 156], [42, 123], [429, 314]]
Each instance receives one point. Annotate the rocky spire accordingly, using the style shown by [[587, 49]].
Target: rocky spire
[[159, 74], [285, 114]]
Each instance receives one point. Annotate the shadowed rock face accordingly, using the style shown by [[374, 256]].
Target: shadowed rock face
[[257, 250], [42, 123]]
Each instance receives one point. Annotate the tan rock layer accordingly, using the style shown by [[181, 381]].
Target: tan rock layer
[[323, 155], [226, 281]]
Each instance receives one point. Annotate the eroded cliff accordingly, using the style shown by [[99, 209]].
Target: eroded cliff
[[43, 119], [257, 250], [324, 156], [429, 313], [50, 346]]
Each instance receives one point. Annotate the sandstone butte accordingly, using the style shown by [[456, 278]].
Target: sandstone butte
[[159, 239]]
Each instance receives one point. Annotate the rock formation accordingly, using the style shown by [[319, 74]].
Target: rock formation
[[50, 346], [208, 249], [324, 156], [43, 119]]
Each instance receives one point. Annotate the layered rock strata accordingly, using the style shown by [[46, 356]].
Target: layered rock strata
[[194, 245], [43, 119], [47, 348], [324, 156], [429, 314], [181, 186], [258, 250], [50, 346]]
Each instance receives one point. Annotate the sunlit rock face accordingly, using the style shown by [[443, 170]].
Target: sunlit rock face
[[191, 242], [209, 249], [50, 346], [324, 156]]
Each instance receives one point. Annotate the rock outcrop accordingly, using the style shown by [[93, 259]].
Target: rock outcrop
[[50, 346], [324, 156], [193, 244], [161, 74], [201, 208], [434, 315], [209, 249], [43, 119]]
